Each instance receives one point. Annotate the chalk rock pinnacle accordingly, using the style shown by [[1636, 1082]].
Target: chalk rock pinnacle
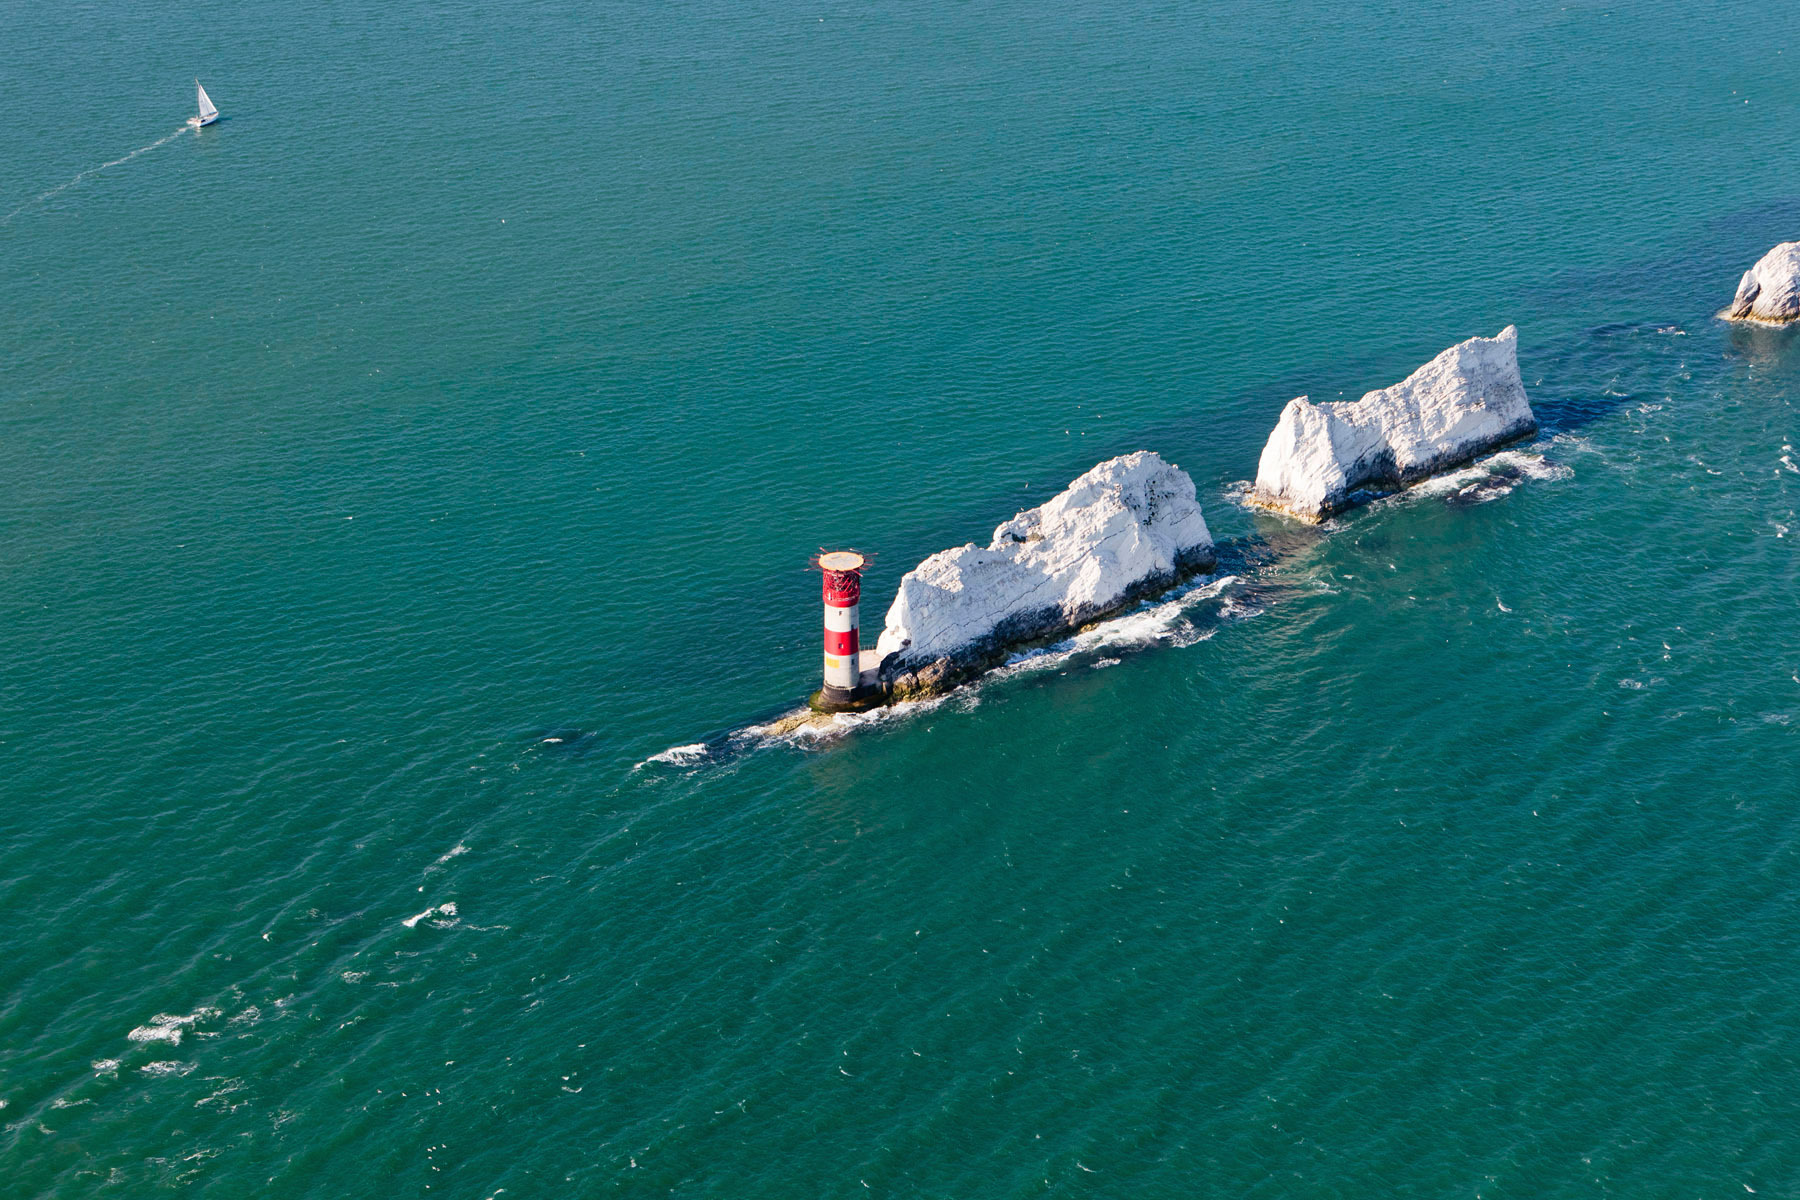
[[1769, 291], [1467, 400], [1128, 527]]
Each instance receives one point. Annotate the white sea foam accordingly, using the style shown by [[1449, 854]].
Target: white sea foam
[[226, 1088], [167, 1067], [1231, 609], [1447, 484], [1488, 479], [168, 1027], [105, 1066], [451, 853], [838, 724], [447, 909], [1533, 465], [1572, 442], [1164, 622], [680, 756]]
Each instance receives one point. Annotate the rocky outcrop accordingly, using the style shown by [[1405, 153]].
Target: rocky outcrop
[[1128, 527], [1464, 402], [1769, 291]]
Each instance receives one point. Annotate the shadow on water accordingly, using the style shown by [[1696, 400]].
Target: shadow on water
[[1618, 366], [1593, 375]]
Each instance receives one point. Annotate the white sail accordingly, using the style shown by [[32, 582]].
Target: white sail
[[207, 111]]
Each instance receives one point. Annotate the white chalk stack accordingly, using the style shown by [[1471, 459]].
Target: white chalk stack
[[1466, 401], [1769, 291], [1128, 527]]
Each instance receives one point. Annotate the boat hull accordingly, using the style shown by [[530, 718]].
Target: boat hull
[[198, 122]]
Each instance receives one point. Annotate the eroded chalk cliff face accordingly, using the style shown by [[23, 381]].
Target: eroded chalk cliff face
[[1769, 291], [1466, 401], [1124, 529]]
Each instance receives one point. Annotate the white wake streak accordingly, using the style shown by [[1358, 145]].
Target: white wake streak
[[91, 171]]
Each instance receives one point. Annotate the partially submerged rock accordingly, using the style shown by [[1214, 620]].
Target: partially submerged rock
[[1128, 527], [1769, 291], [1466, 401]]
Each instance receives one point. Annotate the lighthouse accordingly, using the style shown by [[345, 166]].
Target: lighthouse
[[843, 649]]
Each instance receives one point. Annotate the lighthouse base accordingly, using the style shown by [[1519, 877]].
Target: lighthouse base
[[868, 692], [835, 700]]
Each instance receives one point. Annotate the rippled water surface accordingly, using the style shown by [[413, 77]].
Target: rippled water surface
[[406, 488]]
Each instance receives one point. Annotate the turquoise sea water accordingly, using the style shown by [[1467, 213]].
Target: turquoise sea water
[[393, 473]]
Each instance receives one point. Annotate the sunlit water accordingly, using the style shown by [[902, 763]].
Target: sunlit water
[[406, 489]]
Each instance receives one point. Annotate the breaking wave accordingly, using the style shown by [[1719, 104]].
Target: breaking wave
[[177, 1069], [446, 911], [680, 756], [168, 1027], [1489, 479], [1166, 622]]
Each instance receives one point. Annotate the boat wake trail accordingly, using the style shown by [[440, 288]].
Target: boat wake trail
[[92, 171]]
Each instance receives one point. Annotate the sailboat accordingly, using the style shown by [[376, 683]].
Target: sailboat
[[208, 114]]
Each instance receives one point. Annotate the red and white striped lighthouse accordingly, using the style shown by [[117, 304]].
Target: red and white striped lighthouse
[[843, 650]]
